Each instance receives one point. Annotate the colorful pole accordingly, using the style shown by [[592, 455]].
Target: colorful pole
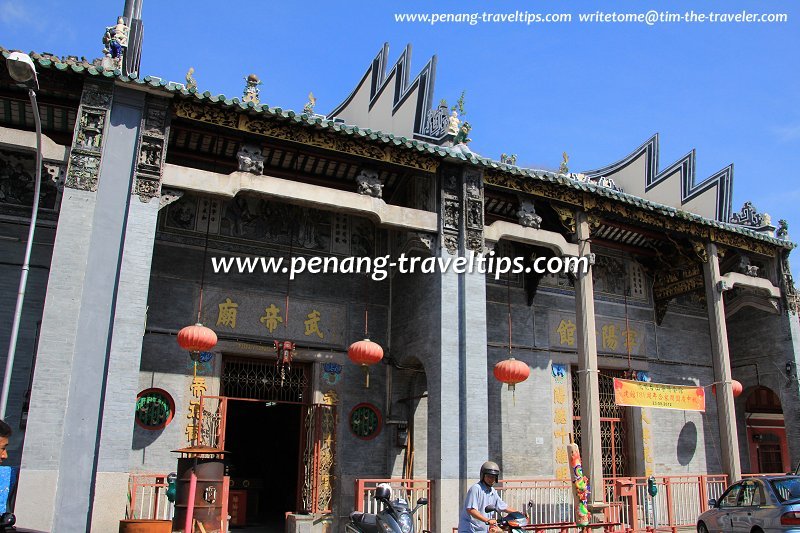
[[580, 486]]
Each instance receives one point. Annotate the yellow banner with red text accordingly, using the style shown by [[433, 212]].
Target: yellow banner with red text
[[659, 395]]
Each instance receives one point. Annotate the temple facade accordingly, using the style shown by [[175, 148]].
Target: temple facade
[[158, 201]]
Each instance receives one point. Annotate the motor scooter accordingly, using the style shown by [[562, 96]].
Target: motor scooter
[[513, 522], [395, 517]]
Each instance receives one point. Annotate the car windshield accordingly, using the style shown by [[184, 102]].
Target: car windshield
[[786, 488]]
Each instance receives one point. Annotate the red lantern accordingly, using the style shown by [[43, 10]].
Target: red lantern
[[511, 372], [735, 385], [365, 353], [196, 339]]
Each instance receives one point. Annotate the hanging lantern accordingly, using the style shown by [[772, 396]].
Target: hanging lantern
[[285, 352], [196, 339], [735, 385], [511, 371], [365, 353]]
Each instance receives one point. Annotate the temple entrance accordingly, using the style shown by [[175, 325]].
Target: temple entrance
[[766, 433], [263, 439], [264, 431]]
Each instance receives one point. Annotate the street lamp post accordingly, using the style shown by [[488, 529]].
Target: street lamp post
[[23, 71]]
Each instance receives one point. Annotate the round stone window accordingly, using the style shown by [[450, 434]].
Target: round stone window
[[154, 409], [365, 421]]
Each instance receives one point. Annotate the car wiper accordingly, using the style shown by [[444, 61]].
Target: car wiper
[[797, 470]]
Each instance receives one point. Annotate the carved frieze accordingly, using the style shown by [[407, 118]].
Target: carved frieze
[[475, 214], [206, 113], [87, 144], [96, 95], [296, 133], [451, 243], [83, 172], [452, 213], [475, 241], [154, 131]]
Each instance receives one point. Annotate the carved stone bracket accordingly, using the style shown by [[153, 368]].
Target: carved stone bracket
[[57, 173], [251, 159], [661, 309], [169, 196], [700, 251], [567, 217], [152, 150], [526, 215], [87, 143], [370, 183]]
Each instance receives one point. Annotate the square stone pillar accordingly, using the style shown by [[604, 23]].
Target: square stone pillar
[[588, 373], [722, 365]]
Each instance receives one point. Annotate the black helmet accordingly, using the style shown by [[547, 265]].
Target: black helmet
[[383, 492], [490, 467]]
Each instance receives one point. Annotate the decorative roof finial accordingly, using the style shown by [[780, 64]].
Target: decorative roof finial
[[251, 91], [783, 229], [507, 159], [190, 81], [463, 132], [115, 41], [308, 109], [564, 169]]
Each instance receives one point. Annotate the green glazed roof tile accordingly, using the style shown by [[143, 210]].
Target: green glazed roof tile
[[441, 151]]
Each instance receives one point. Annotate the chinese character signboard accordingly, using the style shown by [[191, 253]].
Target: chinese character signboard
[[659, 395], [614, 336]]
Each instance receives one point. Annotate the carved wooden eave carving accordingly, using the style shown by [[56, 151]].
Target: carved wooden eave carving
[[597, 205], [324, 139]]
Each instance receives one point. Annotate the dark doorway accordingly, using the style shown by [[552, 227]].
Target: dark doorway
[[263, 439]]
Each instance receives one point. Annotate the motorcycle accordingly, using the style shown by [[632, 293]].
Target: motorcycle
[[514, 522], [395, 517]]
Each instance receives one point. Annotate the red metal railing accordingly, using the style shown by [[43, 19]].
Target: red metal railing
[[549, 505], [409, 489], [147, 497]]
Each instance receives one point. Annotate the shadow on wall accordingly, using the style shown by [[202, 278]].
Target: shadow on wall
[[687, 443], [142, 438]]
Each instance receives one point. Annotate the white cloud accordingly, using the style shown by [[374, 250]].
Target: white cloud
[[787, 133], [11, 12]]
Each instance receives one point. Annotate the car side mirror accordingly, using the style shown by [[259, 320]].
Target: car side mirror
[[712, 502], [422, 501], [489, 509]]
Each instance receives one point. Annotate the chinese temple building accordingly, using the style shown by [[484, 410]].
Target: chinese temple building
[[150, 188]]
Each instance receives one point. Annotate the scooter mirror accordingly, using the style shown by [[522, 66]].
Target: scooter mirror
[[489, 509], [422, 501]]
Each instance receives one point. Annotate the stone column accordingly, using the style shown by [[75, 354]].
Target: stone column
[[88, 355], [122, 378], [588, 374], [722, 365], [458, 428]]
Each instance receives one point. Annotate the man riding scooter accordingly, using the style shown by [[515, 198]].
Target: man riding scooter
[[479, 496]]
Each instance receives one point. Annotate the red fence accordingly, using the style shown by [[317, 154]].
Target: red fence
[[147, 497], [679, 501]]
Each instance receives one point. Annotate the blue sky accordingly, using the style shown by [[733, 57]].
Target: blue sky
[[596, 91]]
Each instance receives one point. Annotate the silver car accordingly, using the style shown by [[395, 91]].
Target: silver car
[[764, 504]]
